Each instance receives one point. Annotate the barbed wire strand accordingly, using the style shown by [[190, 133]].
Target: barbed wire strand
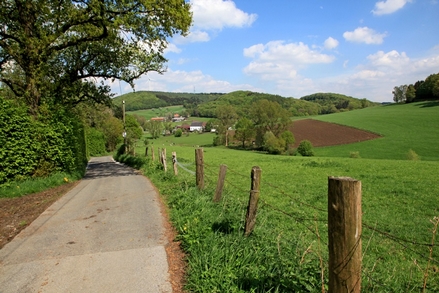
[[396, 238], [293, 198]]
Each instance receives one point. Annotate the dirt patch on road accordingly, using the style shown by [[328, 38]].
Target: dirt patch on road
[[327, 134]]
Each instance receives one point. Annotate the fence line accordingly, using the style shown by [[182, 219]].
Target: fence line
[[405, 243]]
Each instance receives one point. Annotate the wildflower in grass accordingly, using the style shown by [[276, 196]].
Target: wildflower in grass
[[66, 179]]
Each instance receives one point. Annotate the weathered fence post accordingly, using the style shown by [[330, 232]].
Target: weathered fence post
[[344, 231], [220, 183], [152, 153], [199, 162], [250, 219], [146, 151], [164, 159], [174, 163]]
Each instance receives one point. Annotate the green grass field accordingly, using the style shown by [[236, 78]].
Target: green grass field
[[284, 253], [157, 112], [403, 127]]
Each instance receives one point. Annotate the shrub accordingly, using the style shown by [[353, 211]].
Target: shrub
[[95, 142], [178, 133], [272, 144], [412, 156], [354, 155], [305, 148], [289, 139]]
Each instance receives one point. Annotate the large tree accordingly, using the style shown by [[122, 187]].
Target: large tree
[[226, 116], [269, 116], [57, 50]]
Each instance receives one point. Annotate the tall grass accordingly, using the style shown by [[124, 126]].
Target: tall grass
[[283, 253], [28, 186]]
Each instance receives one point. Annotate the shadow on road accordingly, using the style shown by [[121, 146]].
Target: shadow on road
[[107, 169]]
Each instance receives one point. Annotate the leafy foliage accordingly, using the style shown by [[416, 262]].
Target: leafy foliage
[[305, 148], [95, 142], [55, 142], [333, 103], [56, 48]]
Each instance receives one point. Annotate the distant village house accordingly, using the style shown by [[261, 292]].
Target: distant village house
[[197, 126]]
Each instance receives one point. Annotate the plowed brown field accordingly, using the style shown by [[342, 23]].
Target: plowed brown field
[[327, 134]]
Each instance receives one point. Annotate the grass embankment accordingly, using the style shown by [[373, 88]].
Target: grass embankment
[[404, 127]]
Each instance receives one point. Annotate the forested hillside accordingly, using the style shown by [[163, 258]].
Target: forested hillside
[[142, 100], [206, 105]]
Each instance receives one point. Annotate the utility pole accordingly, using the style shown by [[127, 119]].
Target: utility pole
[[124, 134]]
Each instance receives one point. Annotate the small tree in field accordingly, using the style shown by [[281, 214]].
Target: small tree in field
[[272, 144], [305, 148]]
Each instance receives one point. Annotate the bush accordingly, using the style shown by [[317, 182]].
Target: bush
[[95, 142], [54, 142], [305, 148], [178, 133], [354, 155], [272, 144]]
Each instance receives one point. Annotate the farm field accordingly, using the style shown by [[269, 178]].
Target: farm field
[[403, 127], [287, 252]]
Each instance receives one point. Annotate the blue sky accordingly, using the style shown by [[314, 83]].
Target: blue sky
[[298, 47]]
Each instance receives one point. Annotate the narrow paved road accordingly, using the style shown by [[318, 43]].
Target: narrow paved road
[[105, 235]]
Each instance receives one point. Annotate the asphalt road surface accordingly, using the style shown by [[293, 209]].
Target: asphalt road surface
[[105, 235]]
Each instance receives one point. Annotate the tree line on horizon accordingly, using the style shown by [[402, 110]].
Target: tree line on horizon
[[205, 104], [422, 90]]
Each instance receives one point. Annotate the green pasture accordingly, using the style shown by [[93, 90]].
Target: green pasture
[[157, 112], [283, 254], [189, 139], [404, 127]]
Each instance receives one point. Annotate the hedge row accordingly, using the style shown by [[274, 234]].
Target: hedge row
[[38, 146]]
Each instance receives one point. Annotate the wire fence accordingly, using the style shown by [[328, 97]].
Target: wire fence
[[408, 247]]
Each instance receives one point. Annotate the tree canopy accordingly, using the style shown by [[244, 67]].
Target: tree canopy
[[57, 50]]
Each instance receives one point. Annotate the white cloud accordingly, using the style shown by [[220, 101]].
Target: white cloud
[[172, 48], [389, 6], [278, 59], [392, 59], [195, 36], [217, 14], [364, 35], [331, 43]]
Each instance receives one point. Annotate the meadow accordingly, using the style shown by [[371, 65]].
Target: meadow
[[403, 127], [287, 252]]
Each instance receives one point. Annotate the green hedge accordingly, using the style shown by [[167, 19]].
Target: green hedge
[[95, 142], [53, 141]]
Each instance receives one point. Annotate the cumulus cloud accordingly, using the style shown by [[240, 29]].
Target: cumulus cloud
[[389, 6], [172, 48], [390, 59], [217, 14], [195, 36], [331, 43], [278, 59], [364, 35]]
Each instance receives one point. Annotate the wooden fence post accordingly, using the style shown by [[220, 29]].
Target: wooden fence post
[[345, 232], [250, 219], [199, 162], [174, 163], [220, 183], [152, 153], [146, 151], [164, 159]]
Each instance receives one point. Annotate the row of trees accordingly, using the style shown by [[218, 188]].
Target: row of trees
[[420, 91], [265, 126]]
